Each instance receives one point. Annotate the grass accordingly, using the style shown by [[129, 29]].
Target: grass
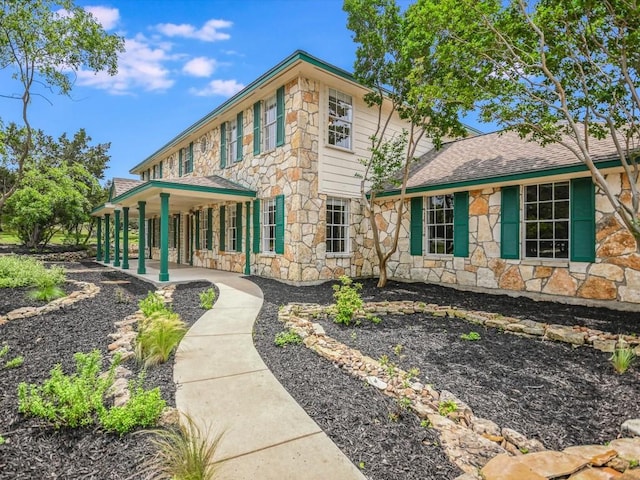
[[158, 336], [622, 358]]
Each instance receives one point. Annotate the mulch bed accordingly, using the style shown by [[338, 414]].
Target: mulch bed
[[550, 391], [34, 450]]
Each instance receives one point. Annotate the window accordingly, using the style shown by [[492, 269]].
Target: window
[[440, 224], [232, 231], [203, 228], [187, 159], [203, 145], [232, 141], [269, 226], [337, 225], [270, 128], [546, 223], [172, 232], [340, 119]]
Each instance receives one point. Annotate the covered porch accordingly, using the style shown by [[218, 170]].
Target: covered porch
[[175, 219]]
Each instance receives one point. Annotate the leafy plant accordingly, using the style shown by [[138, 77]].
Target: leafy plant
[[387, 365], [122, 296], [207, 298], [447, 407], [471, 336], [158, 336], [348, 300], [184, 453], [622, 357], [4, 350], [48, 286], [15, 362], [361, 465], [2, 440], [151, 304], [426, 423], [22, 271], [290, 337], [404, 403], [398, 349]]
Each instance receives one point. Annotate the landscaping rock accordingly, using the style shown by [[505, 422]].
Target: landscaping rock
[[631, 427], [565, 334]]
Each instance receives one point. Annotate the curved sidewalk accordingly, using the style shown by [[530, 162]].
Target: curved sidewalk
[[222, 382]]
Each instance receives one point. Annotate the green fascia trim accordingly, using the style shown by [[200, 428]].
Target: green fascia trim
[[577, 168], [97, 209], [187, 188]]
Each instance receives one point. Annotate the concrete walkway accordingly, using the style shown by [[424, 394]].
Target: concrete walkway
[[222, 383]]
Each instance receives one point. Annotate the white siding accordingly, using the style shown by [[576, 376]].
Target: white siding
[[337, 168]]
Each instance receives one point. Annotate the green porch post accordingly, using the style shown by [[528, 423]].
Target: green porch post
[[116, 235], [125, 238], [164, 238], [107, 243], [99, 239], [141, 241], [247, 255]]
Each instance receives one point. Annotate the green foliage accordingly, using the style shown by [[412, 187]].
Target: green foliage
[[404, 403], [2, 440], [142, 410], [398, 349], [15, 362], [158, 336], [361, 465], [426, 423], [471, 336], [68, 400], [348, 300], [23, 271], [388, 365], [122, 296], [151, 304], [207, 298], [4, 350], [447, 407], [185, 453], [622, 358], [290, 337]]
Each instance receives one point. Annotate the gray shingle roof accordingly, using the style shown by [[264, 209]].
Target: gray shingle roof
[[123, 185]]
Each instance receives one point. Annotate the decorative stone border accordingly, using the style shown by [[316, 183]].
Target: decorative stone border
[[87, 290], [470, 442]]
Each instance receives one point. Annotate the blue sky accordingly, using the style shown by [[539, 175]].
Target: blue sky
[[183, 59]]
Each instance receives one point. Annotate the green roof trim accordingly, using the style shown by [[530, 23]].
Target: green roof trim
[[183, 187], [465, 184], [298, 55]]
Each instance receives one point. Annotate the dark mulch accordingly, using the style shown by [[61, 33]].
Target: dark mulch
[[549, 391], [34, 450], [20, 298]]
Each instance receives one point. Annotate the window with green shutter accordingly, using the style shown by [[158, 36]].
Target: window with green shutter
[[256, 128], [583, 223], [238, 151], [415, 230], [280, 117], [209, 228], [461, 224], [280, 219], [510, 222], [256, 226], [222, 228], [223, 145], [180, 162], [238, 227]]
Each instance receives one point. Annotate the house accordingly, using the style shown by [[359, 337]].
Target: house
[[267, 184]]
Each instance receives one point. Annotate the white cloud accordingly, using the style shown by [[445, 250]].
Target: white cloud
[[200, 67], [224, 88], [209, 32], [107, 17], [141, 65]]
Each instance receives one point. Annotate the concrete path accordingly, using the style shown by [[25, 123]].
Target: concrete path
[[222, 383]]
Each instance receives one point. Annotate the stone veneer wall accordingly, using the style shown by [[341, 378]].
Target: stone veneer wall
[[614, 276]]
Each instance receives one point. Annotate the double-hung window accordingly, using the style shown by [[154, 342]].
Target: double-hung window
[[270, 123], [232, 231], [337, 225], [546, 220], [203, 228], [439, 224], [269, 226], [340, 119]]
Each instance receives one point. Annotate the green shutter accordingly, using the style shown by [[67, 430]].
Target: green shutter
[[256, 226], [190, 164], [161, 169], [222, 228], [280, 117], [223, 145], [583, 223], [197, 234], [150, 231], [239, 137], [175, 231], [239, 227], [280, 224], [209, 228], [461, 224], [256, 128], [510, 222], [416, 228], [180, 162]]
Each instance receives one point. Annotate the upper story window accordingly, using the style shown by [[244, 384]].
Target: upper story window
[[187, 159], [340, 119], [546, 220], [337, 228], [269, 226], [439, 224], [270, 127]]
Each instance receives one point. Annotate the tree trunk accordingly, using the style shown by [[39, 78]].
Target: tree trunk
[[382, 281]]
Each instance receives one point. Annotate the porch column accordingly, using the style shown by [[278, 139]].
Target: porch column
[[116, 234], [99, 239], [247, 257], [125, 238], [141, 241], [164, 237], [107, 259]]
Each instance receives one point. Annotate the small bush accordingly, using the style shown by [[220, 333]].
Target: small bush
[[207, 299], [15, 362], [4, 350], [471, 336], [289, 337], [622, 357], [158, 336], [348, 300], [151, 304], [447, 407]]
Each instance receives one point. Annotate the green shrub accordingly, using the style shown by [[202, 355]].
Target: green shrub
[[142, 410], [22, 271], [471, 336], [622, 357], [15, 362], [447, 407], [151, 304], [348, 300], [289, 337], [158, 336], [4, 350], [207, 299]]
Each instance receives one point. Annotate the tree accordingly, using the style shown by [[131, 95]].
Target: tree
[[44, 42], [396, 63], [555, 71]]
